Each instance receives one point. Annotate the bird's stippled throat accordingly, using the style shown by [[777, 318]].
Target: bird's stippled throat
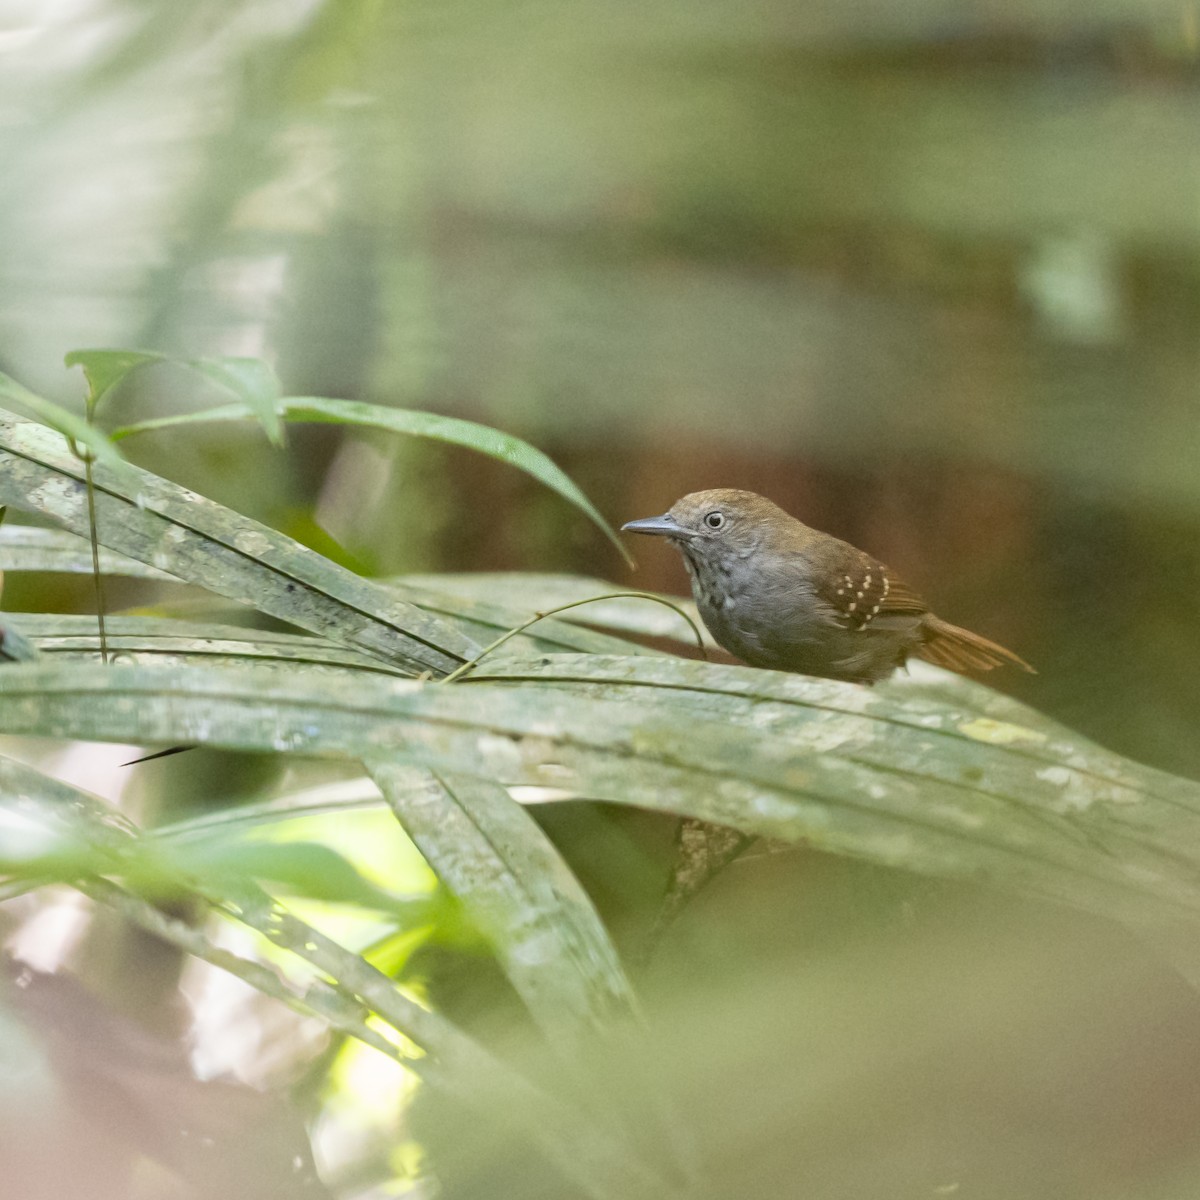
[[715, 582]]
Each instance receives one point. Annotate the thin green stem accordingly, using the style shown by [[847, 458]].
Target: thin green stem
[[470, 665], [97, 577]]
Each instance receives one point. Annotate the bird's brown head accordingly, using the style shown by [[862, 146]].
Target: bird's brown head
[[722, 522]]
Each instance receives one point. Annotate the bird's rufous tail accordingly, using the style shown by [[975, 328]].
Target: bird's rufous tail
[[947, 645]]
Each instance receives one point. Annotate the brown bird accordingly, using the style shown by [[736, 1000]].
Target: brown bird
[[778, 594]]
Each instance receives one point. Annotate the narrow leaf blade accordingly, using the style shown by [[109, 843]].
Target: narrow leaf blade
[[514, 883], [453, 430], [254, 383]]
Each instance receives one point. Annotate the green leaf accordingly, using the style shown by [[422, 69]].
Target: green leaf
[[250, 380], [446, 1058], [454, 430], [51, 831], [152, 638], [516, 887], [581, 1146], [160, 639], [80, 432], [105, 369], [33, 548], [917, 784], [307, 869], [253, 382], [201, 542], [28, 548]]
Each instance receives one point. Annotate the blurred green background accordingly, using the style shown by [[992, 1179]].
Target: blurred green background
[[927, 274]]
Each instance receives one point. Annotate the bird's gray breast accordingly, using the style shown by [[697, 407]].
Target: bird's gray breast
[[729, 592], [765, 610]]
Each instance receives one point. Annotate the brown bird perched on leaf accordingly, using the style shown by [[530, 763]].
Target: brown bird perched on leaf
[[778, 594]]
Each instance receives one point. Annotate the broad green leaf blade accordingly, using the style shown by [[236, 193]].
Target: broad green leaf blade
[[112, 843], [954, 718], [26, 548], [454, 430], [25, 788], [832, 765], [515, 885], [84, 435], [32, 548], [152, 638], [105, 369], [202, 542], [934, 702]]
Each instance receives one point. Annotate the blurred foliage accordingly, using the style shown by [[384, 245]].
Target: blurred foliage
[[927, 275], [953, 783]]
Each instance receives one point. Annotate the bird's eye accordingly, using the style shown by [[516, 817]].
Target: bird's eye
[[714, 520]]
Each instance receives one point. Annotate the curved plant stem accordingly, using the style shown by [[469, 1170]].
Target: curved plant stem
[[470, 665]]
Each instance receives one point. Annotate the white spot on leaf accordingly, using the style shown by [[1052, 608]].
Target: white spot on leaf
[[250, 541], [999, 733]]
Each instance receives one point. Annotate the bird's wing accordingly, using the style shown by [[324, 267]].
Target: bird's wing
[[862, 591]]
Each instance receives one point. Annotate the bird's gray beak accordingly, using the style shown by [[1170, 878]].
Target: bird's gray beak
[[664, 526]]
